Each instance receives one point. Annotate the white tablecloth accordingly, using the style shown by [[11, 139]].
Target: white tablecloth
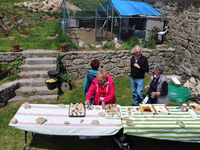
[[57, 115]]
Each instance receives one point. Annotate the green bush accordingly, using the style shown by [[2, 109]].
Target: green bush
[[65, 78], [109, 45], [3, 67], [12, 67], [62, 38], [151, 43], [131, 43]]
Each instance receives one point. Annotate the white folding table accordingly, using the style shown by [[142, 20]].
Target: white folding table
[[56, 116]]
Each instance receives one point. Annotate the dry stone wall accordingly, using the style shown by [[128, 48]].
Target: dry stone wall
[[6, 57], [184, 35], [117, 62], [7, 91]]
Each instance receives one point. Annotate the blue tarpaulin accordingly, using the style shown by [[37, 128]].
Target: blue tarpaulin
[[131, 8]]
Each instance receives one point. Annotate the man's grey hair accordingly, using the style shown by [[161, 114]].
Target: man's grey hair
[[159, 67], [133, 49]]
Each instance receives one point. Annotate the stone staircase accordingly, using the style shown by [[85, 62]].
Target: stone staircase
[[33, 75]]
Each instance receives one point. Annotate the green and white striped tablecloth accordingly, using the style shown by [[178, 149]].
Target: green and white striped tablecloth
[[162, 126]]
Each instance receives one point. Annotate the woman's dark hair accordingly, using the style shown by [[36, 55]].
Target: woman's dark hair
[[95, 64]]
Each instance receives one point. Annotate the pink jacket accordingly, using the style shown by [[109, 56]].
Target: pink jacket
[[108, 91]]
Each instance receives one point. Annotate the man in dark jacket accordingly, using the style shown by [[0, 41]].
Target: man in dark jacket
[[139, 65]]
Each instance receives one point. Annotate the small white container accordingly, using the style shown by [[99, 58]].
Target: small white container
[[184, 107]]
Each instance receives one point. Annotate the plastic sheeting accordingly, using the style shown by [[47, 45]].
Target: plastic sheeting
[[131, 8], [178, 93]]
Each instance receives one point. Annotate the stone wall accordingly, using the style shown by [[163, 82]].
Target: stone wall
[[184, 35], [117, 62], [7, 91], [6, 57]]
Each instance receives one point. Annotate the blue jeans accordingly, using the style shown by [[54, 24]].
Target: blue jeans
[[137, 90]]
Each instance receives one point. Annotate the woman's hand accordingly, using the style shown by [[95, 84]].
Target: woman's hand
[[103, 105], [86, 102], [146, 87], [155, 94]]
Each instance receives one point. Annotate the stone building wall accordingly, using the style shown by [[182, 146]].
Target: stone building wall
[[117, 62], [184, 35]]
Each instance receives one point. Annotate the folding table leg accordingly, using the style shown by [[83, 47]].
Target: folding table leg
[[25, 139], [33, 134]]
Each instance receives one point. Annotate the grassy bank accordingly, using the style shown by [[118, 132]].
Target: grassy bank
[[38, 30]]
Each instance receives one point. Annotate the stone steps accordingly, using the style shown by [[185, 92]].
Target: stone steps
[[39, 53], [32, 82], [38, 67], [33, 74], [32, 91], [44, 60], [35, 97]]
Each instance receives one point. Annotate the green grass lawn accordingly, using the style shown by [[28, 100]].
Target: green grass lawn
[[35, 31], [89, 5], [123, 92]]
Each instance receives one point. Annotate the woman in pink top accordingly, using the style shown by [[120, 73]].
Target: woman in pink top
[[103, 88]]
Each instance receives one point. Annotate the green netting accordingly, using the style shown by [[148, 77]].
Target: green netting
[[179, 93]]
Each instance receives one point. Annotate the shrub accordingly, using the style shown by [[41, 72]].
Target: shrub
[[12, 67], [62, 38], [65, 78], [109, 45], [131, 43], [151, 43]]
